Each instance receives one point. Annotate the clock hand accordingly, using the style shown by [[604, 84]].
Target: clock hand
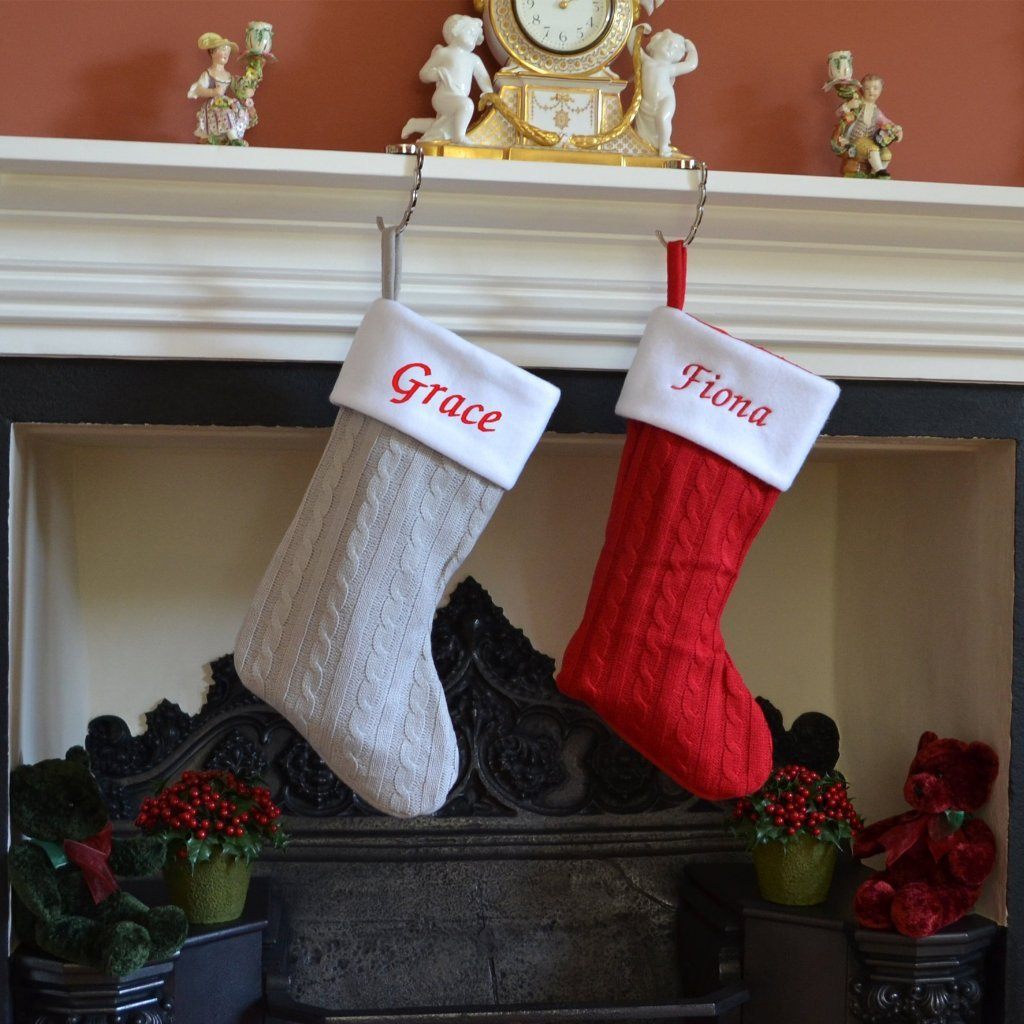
[[564, 3]]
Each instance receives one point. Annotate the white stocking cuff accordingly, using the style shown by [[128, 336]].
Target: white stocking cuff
[[460, 400], [755, 409]]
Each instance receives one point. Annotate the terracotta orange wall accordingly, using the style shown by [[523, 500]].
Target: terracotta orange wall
[[954, 69]]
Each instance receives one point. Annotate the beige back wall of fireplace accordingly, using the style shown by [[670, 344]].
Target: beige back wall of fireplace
[[880, 591]]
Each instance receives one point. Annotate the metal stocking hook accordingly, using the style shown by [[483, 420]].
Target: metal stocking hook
[[702, 196], [391, 236]]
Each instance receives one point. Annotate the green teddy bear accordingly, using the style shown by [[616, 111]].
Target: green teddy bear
[[66, 898]]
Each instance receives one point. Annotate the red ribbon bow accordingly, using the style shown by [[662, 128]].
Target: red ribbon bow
[[92, 855], [900, 838]]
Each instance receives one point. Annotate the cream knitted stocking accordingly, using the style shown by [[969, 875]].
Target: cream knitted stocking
[[430, 433]]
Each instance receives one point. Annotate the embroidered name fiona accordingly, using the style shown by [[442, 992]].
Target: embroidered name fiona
[[454, 405], [722, 397]]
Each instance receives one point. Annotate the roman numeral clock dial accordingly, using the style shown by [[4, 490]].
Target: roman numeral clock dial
[[563, 26]]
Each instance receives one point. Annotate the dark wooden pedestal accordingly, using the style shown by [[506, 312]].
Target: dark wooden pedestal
[[937, 980], [217, 978], [47, 991], [812, 965]]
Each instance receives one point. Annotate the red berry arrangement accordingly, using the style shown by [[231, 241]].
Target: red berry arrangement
[[204, 813], [796, 801]]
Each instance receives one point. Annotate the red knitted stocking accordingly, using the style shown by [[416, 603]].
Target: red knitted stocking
[[702, 467], [649, 657]]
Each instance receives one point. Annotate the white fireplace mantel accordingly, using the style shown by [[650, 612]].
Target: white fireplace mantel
[[156, 250]]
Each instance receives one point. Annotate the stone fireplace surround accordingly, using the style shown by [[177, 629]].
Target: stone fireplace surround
[[82, 309]]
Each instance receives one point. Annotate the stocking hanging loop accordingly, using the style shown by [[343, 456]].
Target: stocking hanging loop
[[391, 236], [702, 196]]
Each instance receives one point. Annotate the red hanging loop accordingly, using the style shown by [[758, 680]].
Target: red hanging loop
[[676, 274], [677, 250]]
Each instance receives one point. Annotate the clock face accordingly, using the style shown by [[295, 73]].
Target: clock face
[[566, 38], [563, 26]]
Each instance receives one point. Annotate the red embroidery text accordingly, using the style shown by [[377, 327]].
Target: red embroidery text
[[722, 397], [407, 386]]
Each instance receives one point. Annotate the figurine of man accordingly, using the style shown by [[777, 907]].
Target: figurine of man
[[453, 68], [668, 55], [870, 133], [863, 134]]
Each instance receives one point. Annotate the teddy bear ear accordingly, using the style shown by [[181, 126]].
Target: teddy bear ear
[[78, 754], [926, 738], [986, 760]]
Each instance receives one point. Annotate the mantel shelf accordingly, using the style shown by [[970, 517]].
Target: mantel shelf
[[163, 250], [330, 169]]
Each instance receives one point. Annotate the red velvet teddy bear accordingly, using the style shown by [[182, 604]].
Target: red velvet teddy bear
[[937, 856]]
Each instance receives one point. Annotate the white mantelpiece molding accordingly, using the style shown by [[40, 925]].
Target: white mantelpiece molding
[[159, 250]]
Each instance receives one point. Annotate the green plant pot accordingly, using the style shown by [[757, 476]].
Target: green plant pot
[[797, 874], [212, 893]]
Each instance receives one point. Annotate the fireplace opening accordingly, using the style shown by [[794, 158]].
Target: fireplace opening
[[881, 591]]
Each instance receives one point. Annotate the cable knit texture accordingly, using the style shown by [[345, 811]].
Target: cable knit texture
[[337, 638], [649, 656]]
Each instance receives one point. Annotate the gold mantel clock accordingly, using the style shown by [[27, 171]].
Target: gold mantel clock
[[556, 96]]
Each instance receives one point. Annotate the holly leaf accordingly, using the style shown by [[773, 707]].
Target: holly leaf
[[245, 846], [199, 850]]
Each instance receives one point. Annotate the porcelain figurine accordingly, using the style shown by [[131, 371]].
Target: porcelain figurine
[[863, 136], [228, 111], [453, 68], [667, 56], [221, 119]]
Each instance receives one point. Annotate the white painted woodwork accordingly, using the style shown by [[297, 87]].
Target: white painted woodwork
[[178, 251]]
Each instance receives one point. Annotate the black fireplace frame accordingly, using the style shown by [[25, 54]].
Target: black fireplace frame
[[216, 393]]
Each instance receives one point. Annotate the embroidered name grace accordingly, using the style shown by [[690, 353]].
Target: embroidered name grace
[[705, 382], [407, 385]]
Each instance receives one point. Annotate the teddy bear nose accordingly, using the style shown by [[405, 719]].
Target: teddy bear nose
[[918, 789]]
